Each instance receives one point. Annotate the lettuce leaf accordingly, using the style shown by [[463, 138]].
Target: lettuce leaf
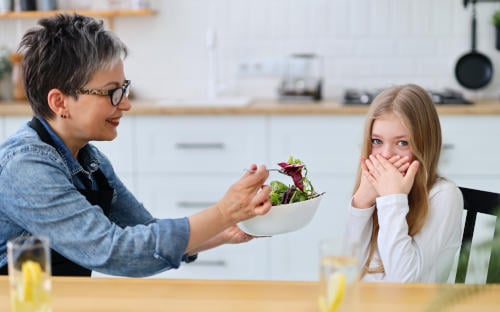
[[301, 189]]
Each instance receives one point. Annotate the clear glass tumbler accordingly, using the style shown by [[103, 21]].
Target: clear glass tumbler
[[339, 272], [29, 274]]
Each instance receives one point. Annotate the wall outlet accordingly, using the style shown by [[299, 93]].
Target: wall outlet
[[260, 68]]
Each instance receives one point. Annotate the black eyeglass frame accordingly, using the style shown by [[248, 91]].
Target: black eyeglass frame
[[125, 90]]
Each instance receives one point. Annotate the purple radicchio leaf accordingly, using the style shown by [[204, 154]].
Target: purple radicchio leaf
[[295, 171], [287, 195]]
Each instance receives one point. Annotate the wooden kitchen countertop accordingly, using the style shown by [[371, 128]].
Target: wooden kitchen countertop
[[267, 107], [140, 294]]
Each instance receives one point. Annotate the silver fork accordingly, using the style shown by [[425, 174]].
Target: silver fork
[[253, 171]]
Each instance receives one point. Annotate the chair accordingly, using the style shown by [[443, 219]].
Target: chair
[[477, 201]]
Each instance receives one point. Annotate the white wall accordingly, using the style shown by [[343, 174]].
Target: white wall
[[365, 43]]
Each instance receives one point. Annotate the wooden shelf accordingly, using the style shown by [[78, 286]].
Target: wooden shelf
[[108, 14], [101, 13]]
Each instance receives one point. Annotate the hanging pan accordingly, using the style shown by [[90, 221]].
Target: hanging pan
[[474, 70]]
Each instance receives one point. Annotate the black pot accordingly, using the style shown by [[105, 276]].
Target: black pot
[[28, 5]]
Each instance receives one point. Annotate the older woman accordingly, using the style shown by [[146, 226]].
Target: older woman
[[54, 183]]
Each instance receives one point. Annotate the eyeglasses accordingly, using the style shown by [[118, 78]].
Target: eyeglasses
[[115, 95]]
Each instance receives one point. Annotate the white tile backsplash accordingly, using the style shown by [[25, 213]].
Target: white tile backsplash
[[364, 43]]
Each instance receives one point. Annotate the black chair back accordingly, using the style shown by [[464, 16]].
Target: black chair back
[[478, 201]]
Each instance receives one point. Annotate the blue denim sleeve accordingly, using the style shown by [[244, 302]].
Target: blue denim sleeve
[[38, 196]]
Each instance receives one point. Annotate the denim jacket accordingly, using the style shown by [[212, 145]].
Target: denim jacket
[[39, 195]]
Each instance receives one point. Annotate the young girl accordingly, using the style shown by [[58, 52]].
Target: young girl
[[406, 218]]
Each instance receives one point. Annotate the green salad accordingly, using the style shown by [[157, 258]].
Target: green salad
[[300, 190]]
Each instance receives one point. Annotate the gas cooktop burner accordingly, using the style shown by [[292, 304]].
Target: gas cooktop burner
[[446, 96]]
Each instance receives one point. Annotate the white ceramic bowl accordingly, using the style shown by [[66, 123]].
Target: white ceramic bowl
[[282, 218]]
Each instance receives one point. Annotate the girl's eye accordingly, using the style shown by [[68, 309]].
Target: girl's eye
[[403, 143], [376, 141]]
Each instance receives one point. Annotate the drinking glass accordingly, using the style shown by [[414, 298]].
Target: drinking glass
[[29, 274], [339, 273]]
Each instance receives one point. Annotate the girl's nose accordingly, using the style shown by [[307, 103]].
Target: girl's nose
[[387, 151]]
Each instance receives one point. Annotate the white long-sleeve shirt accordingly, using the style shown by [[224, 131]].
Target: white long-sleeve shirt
[[426, 257]]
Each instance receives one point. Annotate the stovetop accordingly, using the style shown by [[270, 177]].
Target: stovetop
[[442, 97]]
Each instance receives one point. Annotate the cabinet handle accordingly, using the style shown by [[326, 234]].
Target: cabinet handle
[[192, 204], [448, 146], [190, 146], [213, 263]]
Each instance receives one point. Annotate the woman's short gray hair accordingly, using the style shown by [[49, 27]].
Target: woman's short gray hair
[[64, 52]]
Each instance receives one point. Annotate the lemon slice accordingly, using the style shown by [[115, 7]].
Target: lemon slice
[[32, 278], [335, 292], [322, 304]]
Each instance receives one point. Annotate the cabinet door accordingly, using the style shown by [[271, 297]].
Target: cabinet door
[[213, 144], [246, 261], [173, 195], [330, 147], [470, 145], [185, 164]]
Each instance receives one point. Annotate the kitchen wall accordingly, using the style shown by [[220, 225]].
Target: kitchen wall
[[364, 44]]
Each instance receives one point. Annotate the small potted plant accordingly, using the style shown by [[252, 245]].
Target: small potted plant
[[496, 22], [5, 68], [5, 65]]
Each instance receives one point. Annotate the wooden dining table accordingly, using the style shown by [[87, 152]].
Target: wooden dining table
[[142, 294]]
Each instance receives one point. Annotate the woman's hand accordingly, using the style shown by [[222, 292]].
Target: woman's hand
[[248, 197], [386, 178], [234, 235], [365, 195]]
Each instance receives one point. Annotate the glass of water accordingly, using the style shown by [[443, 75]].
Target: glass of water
[[29, 274], [339, 273]]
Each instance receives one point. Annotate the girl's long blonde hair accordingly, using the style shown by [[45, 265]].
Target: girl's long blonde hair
[[417, 112]]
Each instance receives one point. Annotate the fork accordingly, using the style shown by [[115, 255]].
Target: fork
[[253, 171]]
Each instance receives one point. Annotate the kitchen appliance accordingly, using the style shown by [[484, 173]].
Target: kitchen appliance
[[365, 97], [474, 70], [303, 78], [28, 5]]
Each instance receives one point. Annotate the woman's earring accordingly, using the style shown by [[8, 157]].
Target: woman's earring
[[63, 116]]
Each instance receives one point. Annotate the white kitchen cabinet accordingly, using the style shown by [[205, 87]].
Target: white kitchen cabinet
[[330, 147], [470, 159], [176, 195], [294, 256], [185, 164], [247, 261], [470, 145], [197, 144]]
